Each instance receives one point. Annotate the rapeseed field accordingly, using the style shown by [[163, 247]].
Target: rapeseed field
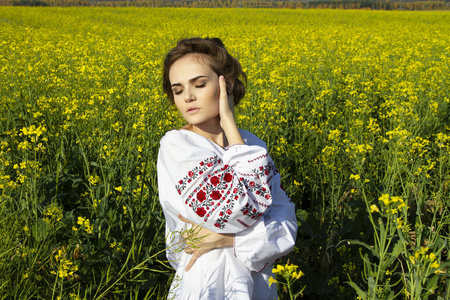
[[353, 105]]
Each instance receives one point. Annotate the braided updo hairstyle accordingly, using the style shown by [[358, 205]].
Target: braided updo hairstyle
[[218, 58]]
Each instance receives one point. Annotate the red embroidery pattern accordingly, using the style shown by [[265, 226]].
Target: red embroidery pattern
[[243, 223], [259, 157], [196, 172], [251, 212], [221, 188]]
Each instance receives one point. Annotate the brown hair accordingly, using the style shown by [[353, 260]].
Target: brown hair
[[220, 61]]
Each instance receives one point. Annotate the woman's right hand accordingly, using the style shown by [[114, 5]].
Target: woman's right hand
[[200, 240]]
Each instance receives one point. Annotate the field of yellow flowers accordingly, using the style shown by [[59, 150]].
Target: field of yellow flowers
[[354, 107]]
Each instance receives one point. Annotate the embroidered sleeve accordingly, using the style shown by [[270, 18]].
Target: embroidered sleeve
[[272, 237], [227, 194]]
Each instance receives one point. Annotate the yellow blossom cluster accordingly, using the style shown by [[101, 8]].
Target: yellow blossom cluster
[[286, 271], [117, 246], [94, 179], [66, 267], [394, 201], [85, 224], [392, 205], [53, 214], [421, 256]]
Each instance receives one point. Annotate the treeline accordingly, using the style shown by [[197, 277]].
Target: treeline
[[313, 4]]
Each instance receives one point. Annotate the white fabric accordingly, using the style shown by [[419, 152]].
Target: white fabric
[[227, 191]]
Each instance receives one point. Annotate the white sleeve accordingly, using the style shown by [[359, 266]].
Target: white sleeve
[[272, 237], [225, 194]]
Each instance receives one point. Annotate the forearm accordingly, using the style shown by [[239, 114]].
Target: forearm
[[231, 131], [225, 240]]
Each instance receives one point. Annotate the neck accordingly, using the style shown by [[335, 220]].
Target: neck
[[210, 130]]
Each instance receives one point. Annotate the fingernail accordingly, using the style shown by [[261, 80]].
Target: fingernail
[[222, 78]]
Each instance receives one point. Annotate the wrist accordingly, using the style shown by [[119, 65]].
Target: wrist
[[227, 120], [227, 240], [231, 132]]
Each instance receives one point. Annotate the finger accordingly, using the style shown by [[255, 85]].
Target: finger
[[184, 219], [191, 262], [223, 88]]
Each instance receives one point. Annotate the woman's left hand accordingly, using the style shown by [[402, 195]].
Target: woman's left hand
[[200, 240], [226, 101]]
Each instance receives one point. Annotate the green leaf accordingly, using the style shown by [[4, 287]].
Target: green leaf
[[365, 245], [40, 230], [398, 248], [358, 290], [432, 283]]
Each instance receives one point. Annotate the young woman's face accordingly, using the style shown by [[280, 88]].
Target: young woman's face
[[195, 89]]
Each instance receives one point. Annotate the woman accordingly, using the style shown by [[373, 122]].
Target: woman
[[220, 181]]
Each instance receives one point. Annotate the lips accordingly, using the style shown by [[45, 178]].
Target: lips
[[192, 109]]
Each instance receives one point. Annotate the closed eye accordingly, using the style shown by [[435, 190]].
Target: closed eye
[[200, 85], [177, 92]]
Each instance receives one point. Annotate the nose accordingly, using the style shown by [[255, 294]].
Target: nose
[[188, 95]]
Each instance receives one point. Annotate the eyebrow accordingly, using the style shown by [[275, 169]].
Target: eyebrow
[[190, 80]]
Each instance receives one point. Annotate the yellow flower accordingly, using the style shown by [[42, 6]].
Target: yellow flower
[[412, 259], [434, 265], [278, 269], [385, 199], [432, 256], [423, 250], [271, 280], [93, 180], [296, 275], [119, 188], [374, 208], [403, 204], [80, 220], [62, 273], [88, 227], [396, 199], [356, 177], [290, 268]]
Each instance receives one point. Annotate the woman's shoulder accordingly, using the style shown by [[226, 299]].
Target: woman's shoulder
[[176, 134], [173, 134], [251, 139], [183, 138]]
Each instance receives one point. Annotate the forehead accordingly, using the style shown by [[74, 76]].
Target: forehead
[[189, 66]]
